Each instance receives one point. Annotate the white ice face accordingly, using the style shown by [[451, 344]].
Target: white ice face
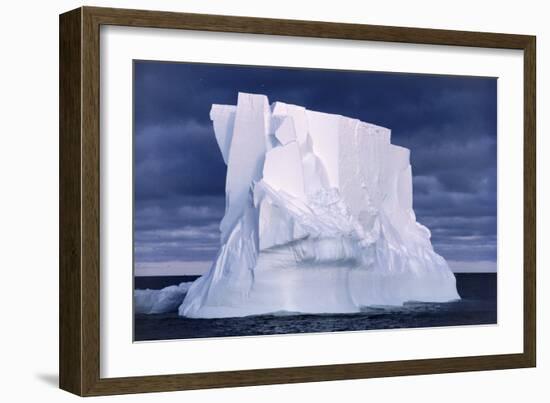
[[319, 218]]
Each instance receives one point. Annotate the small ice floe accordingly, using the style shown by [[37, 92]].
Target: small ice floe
[[167, 299]]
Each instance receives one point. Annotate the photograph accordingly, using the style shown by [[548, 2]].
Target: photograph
[[273, 200], [251, 199]]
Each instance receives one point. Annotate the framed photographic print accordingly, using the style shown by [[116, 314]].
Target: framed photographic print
[[249, 201]]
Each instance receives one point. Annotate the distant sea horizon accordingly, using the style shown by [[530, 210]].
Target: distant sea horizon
[[160, 281], [194, 275], [198, 268]]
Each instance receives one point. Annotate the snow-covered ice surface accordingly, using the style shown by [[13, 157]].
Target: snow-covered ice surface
[[319, 218]]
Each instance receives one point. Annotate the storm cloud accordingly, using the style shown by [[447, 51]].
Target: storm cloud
[[448, 123]]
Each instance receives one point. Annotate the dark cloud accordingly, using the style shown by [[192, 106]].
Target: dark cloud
[[448, 123], [177, 159], [177, 228]]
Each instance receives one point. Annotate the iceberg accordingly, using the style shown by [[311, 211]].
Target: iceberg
[[319, 218]]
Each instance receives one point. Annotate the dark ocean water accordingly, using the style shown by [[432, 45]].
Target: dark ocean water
[[478, 306]]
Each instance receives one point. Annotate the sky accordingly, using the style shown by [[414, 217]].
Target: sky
[[448, 122]]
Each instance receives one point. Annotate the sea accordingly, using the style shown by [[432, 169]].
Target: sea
[[477, 306]]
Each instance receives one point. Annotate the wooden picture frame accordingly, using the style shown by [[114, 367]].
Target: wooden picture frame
[[79, 347]]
